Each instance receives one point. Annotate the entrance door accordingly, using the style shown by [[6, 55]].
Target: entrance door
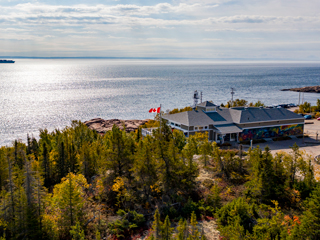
[[227, 137]]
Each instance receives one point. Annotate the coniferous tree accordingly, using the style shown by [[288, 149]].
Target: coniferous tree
[[119, 156], [193, 225], [157, 225], [68, 199], [182, 229], [144, 167], [167, 230], [310, 220]]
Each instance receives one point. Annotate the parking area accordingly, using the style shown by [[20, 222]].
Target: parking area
[[310, 145]]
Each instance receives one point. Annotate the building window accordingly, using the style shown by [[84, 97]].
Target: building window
[[196, 128], [172, 123], [200, 128], [206, 127]]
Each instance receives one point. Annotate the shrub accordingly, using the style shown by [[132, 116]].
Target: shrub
[[237, 210], [130, 220]]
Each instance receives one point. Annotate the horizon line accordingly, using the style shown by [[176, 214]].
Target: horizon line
[[168, 58]]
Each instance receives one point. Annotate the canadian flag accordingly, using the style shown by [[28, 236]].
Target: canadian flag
[[153, 110]]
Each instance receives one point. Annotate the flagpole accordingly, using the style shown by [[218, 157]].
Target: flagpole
[[160, 119]]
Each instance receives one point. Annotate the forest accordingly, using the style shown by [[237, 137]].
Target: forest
[[77, 184]]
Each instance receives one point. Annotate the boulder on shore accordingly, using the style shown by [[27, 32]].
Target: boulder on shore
[[311, 89], [102, 126]]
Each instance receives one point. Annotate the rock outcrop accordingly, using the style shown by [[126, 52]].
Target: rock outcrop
[[311, 89], [101, 126]]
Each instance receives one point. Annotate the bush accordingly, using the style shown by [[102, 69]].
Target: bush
[[240, 210], [130, 220], [189, 207]]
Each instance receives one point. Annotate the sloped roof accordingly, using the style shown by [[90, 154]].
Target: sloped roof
[[228, 128], [189, 118], [254, 114], [227, 117], [221, 116], [206, 104]]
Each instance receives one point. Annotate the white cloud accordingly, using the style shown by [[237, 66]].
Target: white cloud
[[179, 27]]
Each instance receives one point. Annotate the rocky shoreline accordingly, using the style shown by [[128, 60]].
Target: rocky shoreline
[[311, 89], [102, 126]]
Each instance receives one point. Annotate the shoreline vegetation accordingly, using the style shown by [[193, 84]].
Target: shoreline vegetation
[[310, 89], [77, 184]]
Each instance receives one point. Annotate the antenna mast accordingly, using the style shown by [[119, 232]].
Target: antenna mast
[[195, 98], [232, 93]]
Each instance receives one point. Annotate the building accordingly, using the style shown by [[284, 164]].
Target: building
[[238, 123]]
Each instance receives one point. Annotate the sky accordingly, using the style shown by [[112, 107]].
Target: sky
[[218, 29]]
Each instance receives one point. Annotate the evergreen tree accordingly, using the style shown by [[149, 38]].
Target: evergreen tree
[[144, 167], [182, 230], [193, 225], [68, 197], [167, 230], [310, 220], [205, 150], [157, 225], [119, 155]]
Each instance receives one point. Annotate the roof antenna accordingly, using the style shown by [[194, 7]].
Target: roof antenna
[[195, 98], [232, 93]]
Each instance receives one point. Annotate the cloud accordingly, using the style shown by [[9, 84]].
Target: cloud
[[129, 14], [180, 27]]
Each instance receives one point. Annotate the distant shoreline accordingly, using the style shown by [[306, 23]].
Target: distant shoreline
[[310, 89], [176, 58]]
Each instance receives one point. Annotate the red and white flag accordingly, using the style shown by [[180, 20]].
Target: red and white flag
[[155, 110]]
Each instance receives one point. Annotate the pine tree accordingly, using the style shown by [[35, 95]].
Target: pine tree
[[310, 220], [193, 225], [62, 163], [119, 154], [46, 165], [144, 167], [69, 200], [205, 150], [157, 225], [182, 229], [167, 230]]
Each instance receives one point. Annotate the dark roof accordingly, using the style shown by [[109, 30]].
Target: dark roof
[[221, 116], [228, 128], [206, 104], [254, 114], [189, 118], [225, 118]]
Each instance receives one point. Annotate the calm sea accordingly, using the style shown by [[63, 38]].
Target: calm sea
[[50, 94]]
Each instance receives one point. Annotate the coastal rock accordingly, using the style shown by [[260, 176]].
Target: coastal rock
[[101, 126], [311, 89]]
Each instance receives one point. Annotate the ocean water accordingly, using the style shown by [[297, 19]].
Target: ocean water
[[50, 94]]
